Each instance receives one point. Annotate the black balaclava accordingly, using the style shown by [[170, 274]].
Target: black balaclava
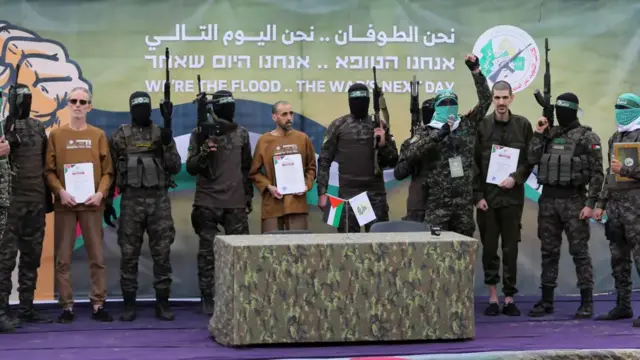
[[223, 105], [140, 108], [20, 102], [359, 101], [566, 107], [427, 111]]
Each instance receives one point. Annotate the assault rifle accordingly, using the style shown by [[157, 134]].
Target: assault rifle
[[207, 124], [10, 122], [376, 103], [166, 107], [414, 106], [545, 99]]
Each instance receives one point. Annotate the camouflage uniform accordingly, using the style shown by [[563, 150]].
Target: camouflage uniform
[[144, 169], [417, 196], [24, 230], [351, 142], [223, 197], [5, 252], [450, 199], [621, 200], [569, 158]]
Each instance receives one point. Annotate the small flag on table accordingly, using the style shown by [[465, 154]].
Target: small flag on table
[[332, 217]]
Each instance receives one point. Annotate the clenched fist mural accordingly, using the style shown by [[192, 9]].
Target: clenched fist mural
[[45, 67]]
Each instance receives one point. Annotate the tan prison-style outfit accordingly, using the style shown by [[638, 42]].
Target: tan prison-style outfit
[[290, 212], [68, 146]]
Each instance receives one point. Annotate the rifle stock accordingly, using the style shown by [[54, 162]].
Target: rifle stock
[[544, 99]]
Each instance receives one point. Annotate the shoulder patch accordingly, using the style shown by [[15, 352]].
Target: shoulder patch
[[190, 148], [596, 147], [414, 139]]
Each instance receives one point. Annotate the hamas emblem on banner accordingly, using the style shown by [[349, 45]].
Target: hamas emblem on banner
[[508, 53]]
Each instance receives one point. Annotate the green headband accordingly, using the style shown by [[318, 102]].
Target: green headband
[[359, 93], [567, 104], [628, 101]]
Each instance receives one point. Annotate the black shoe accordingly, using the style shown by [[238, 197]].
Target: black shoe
[[101, 315], [66, 317], [492, 310], [510, 309]]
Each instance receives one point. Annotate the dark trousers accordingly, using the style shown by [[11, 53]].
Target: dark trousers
[[497, 224]]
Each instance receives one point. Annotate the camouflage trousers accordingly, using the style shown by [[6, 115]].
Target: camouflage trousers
[[380, 207], [414, 215], [556, 215], [146, 210], [23, 232], [451, 214], [416, 200], [623, 231], [205, 222], [500, 228]]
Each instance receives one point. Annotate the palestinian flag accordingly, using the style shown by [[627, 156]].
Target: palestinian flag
[[335, 210]]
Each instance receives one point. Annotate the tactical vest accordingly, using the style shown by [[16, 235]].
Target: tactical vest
[[142, 166], [563, 164], [611, 183]]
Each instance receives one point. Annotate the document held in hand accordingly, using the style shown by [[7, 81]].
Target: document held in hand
[[629, 155], [289, 174], [79, 182], [502, 163]]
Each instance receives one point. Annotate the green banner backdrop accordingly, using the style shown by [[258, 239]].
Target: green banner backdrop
[[308, 53]]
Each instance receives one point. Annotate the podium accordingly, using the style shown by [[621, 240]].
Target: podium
[[315, 288]]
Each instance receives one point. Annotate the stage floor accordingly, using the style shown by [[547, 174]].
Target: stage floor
[[187, 338]]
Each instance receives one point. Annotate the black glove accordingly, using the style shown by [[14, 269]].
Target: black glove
[[473, 65], [166, 136], [444, 131], [109, 212], [48, 198], [249, 206], [166, 109]]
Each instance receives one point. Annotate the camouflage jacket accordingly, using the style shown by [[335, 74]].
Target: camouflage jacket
[[118, 149], [632, 171], [587, 140], [351, 143], [222, 175], [460, 143]]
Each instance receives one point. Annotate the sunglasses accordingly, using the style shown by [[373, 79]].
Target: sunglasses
[[76, 101]]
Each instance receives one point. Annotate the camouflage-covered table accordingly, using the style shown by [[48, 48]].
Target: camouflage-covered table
[[343, 288]]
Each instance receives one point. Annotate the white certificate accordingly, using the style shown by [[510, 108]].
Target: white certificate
[[289, 174], [79, 182], [503, 162]]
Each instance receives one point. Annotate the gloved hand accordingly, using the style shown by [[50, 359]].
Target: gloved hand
[[109, 212], [249, 207], [166, 109], [444, 131], [472, 62], [166, 136]]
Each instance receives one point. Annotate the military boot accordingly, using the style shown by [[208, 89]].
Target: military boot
[[585, 311], [622, 310], [206, 301], [543, 307], [13, 317], [129, 312], [28, 314], [6, 324], [163, 310]]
